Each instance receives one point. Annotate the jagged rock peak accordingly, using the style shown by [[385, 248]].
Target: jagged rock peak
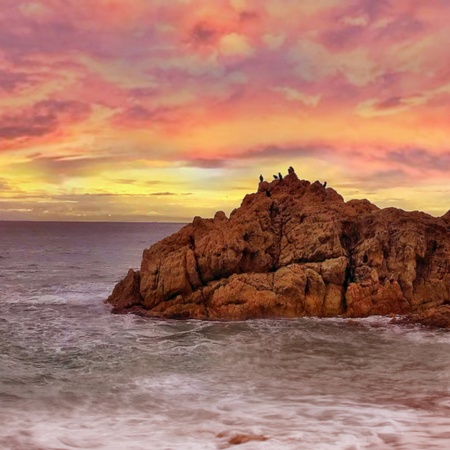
[[300, 250]]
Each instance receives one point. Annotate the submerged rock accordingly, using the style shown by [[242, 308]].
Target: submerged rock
[[302, 251]]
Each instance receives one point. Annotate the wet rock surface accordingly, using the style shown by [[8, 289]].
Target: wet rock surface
[[435, 317], [302, 251]]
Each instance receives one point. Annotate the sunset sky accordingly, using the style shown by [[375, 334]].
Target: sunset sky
[[158, 110]]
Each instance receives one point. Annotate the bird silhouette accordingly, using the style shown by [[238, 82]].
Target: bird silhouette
[[280, 176], [276, 177], [324, 184], [261, 178]]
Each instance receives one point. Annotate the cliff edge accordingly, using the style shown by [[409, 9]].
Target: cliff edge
[[294, 249]]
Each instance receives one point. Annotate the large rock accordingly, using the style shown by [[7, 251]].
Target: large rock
[[302, 251]]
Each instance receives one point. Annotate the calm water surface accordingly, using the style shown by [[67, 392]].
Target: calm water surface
[[72, 376]]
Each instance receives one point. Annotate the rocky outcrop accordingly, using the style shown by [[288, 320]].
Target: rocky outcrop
[[302, 251]]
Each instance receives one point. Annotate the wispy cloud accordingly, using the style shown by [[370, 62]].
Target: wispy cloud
[[422, 159], [4, 185]]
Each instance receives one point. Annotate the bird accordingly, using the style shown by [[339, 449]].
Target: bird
[[291, 170], [280, 176], [268, 194], [276, 177], [324, 184], [261, 178]]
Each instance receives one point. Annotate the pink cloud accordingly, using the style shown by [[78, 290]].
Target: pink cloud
[[41, 119]]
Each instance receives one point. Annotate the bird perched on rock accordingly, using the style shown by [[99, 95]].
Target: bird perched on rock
[[261, 178], [275, 177], [280, 176], [291, 170], [324, 184]]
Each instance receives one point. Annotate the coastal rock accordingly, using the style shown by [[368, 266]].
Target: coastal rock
[[436, 317], [126, 293], [302, 251]]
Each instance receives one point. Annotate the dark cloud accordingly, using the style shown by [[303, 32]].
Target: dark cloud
[[10, 81], [9, 130], [347, 34], [142, 92], [373, 9], [69, 165], [205, 163], [134, 181], [262, 152], [420, 158], [73, 108], [4, 185], [60, 30], [380, 179], [75, 198], [139, 115], [41, 119], [94, 196], [50, 37], [389, 80], [69, 28], [389, 175], [202, 33], [343, 37], [125, 181], [294, 151], [392, 102], [245, 16], [165, 194], [403, 27]]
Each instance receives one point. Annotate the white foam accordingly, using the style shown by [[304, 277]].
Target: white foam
[[190, 415]]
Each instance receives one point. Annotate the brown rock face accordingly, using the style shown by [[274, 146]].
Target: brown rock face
[[302, 251]]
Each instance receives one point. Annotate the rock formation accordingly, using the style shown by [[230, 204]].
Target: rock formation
[[303, 251]]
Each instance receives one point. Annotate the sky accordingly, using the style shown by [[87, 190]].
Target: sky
[[156, 110]]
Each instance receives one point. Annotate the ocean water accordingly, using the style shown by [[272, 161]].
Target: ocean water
[[73, 376]]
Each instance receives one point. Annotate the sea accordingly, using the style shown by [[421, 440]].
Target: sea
[[74, 376]]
